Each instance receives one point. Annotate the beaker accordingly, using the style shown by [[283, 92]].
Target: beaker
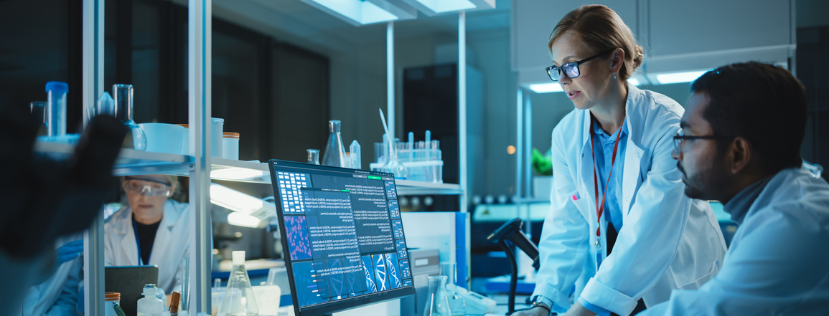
[[124, 112], [239, 299], [457, 306], [394, 166], [38, 109], [56, 108], [313, 156], [334, 150], [437, 303]]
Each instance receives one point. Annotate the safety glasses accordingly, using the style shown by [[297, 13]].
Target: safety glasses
[[571, 69], [148, 187]]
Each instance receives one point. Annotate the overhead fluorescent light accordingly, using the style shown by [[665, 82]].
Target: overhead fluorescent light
[[546, 87], [362, 12], [244, 220], [679, 77], [434, 7], [234, 200], [633, 81]]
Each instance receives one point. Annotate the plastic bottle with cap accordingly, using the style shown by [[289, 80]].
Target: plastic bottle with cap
[[56, 108], [239, 298], [150, 304]]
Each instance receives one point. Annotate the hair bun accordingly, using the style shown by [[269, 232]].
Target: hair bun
[[638, 56]]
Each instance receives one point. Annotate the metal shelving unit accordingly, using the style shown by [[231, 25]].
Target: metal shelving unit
[[198, 165]]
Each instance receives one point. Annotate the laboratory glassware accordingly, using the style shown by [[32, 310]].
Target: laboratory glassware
[[124, 112], [105, 106], [239, 299], [112, 304], [334, 154], [313, 156], [437, 303], [56, 108], [457, 305], [150, 304], [393, 165], [38, 109], [217, 126], [230, 145], [355, 155]]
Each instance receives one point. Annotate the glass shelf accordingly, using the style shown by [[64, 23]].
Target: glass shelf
[[408, 187], [136, 162]]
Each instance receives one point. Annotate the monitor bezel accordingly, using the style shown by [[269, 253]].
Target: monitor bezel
[[345, 303]]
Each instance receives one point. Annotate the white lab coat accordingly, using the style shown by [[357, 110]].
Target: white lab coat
[[778, 263], [58, 295], [170, 246], [667, 242]]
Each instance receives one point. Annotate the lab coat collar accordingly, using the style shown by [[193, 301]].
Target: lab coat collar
[[738, 205], [162, 235], [634, 97]]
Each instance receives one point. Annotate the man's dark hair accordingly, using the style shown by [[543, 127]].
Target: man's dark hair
[[760, 102]]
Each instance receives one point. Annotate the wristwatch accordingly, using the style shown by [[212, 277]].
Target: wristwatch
[[538, 301]]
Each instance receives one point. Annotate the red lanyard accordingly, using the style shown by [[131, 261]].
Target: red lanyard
[[600, 206]]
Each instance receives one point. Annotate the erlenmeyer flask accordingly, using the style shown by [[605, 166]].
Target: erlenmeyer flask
[[436, 302], [457, 305], [239, 299], [334, 150], [123, 111]]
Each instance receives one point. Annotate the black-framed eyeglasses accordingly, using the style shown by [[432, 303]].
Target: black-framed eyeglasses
[[680, 138], [571, 69]]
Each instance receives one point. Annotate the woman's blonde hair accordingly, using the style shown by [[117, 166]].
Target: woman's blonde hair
[[601, 29]]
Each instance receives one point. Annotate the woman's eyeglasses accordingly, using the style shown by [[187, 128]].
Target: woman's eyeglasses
[[571, 69]]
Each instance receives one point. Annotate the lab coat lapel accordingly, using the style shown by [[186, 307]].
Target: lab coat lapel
[[128, 246], [633, 154], [164, 235], [587, 168]]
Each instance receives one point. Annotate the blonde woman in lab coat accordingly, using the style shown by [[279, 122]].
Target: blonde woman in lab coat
[[620, 234], [150, 230]]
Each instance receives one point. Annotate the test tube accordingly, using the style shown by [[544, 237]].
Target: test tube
[[56, 108], [123, 94], [355, 155]]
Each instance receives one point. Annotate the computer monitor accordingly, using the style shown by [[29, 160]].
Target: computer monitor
[[342, 236]]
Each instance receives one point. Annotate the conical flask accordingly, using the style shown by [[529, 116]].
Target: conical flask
[[437, 303], [457, 305], [334, 150], [239, 299], [136, 139]]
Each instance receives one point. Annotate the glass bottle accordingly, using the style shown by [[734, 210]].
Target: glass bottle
[[239, 299], [334, 150], [124, 112], [437, 303], [457, 306], [313, 156]]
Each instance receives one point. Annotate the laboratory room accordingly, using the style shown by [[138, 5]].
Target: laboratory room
[[414, 157]]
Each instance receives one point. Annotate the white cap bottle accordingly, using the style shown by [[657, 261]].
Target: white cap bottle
[[150, 304]]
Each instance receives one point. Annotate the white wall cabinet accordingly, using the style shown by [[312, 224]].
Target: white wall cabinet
[[676, 35]]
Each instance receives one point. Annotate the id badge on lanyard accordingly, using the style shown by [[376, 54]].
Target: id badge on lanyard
[[600, 203]]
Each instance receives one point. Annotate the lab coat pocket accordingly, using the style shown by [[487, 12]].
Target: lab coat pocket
[[696, 284], [584, 208]]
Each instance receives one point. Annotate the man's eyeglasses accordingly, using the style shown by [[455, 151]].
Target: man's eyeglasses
[[680, 138], [571, 69], [152, 188]]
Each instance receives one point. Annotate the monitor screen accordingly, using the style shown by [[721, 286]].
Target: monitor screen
[[342, 236]]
